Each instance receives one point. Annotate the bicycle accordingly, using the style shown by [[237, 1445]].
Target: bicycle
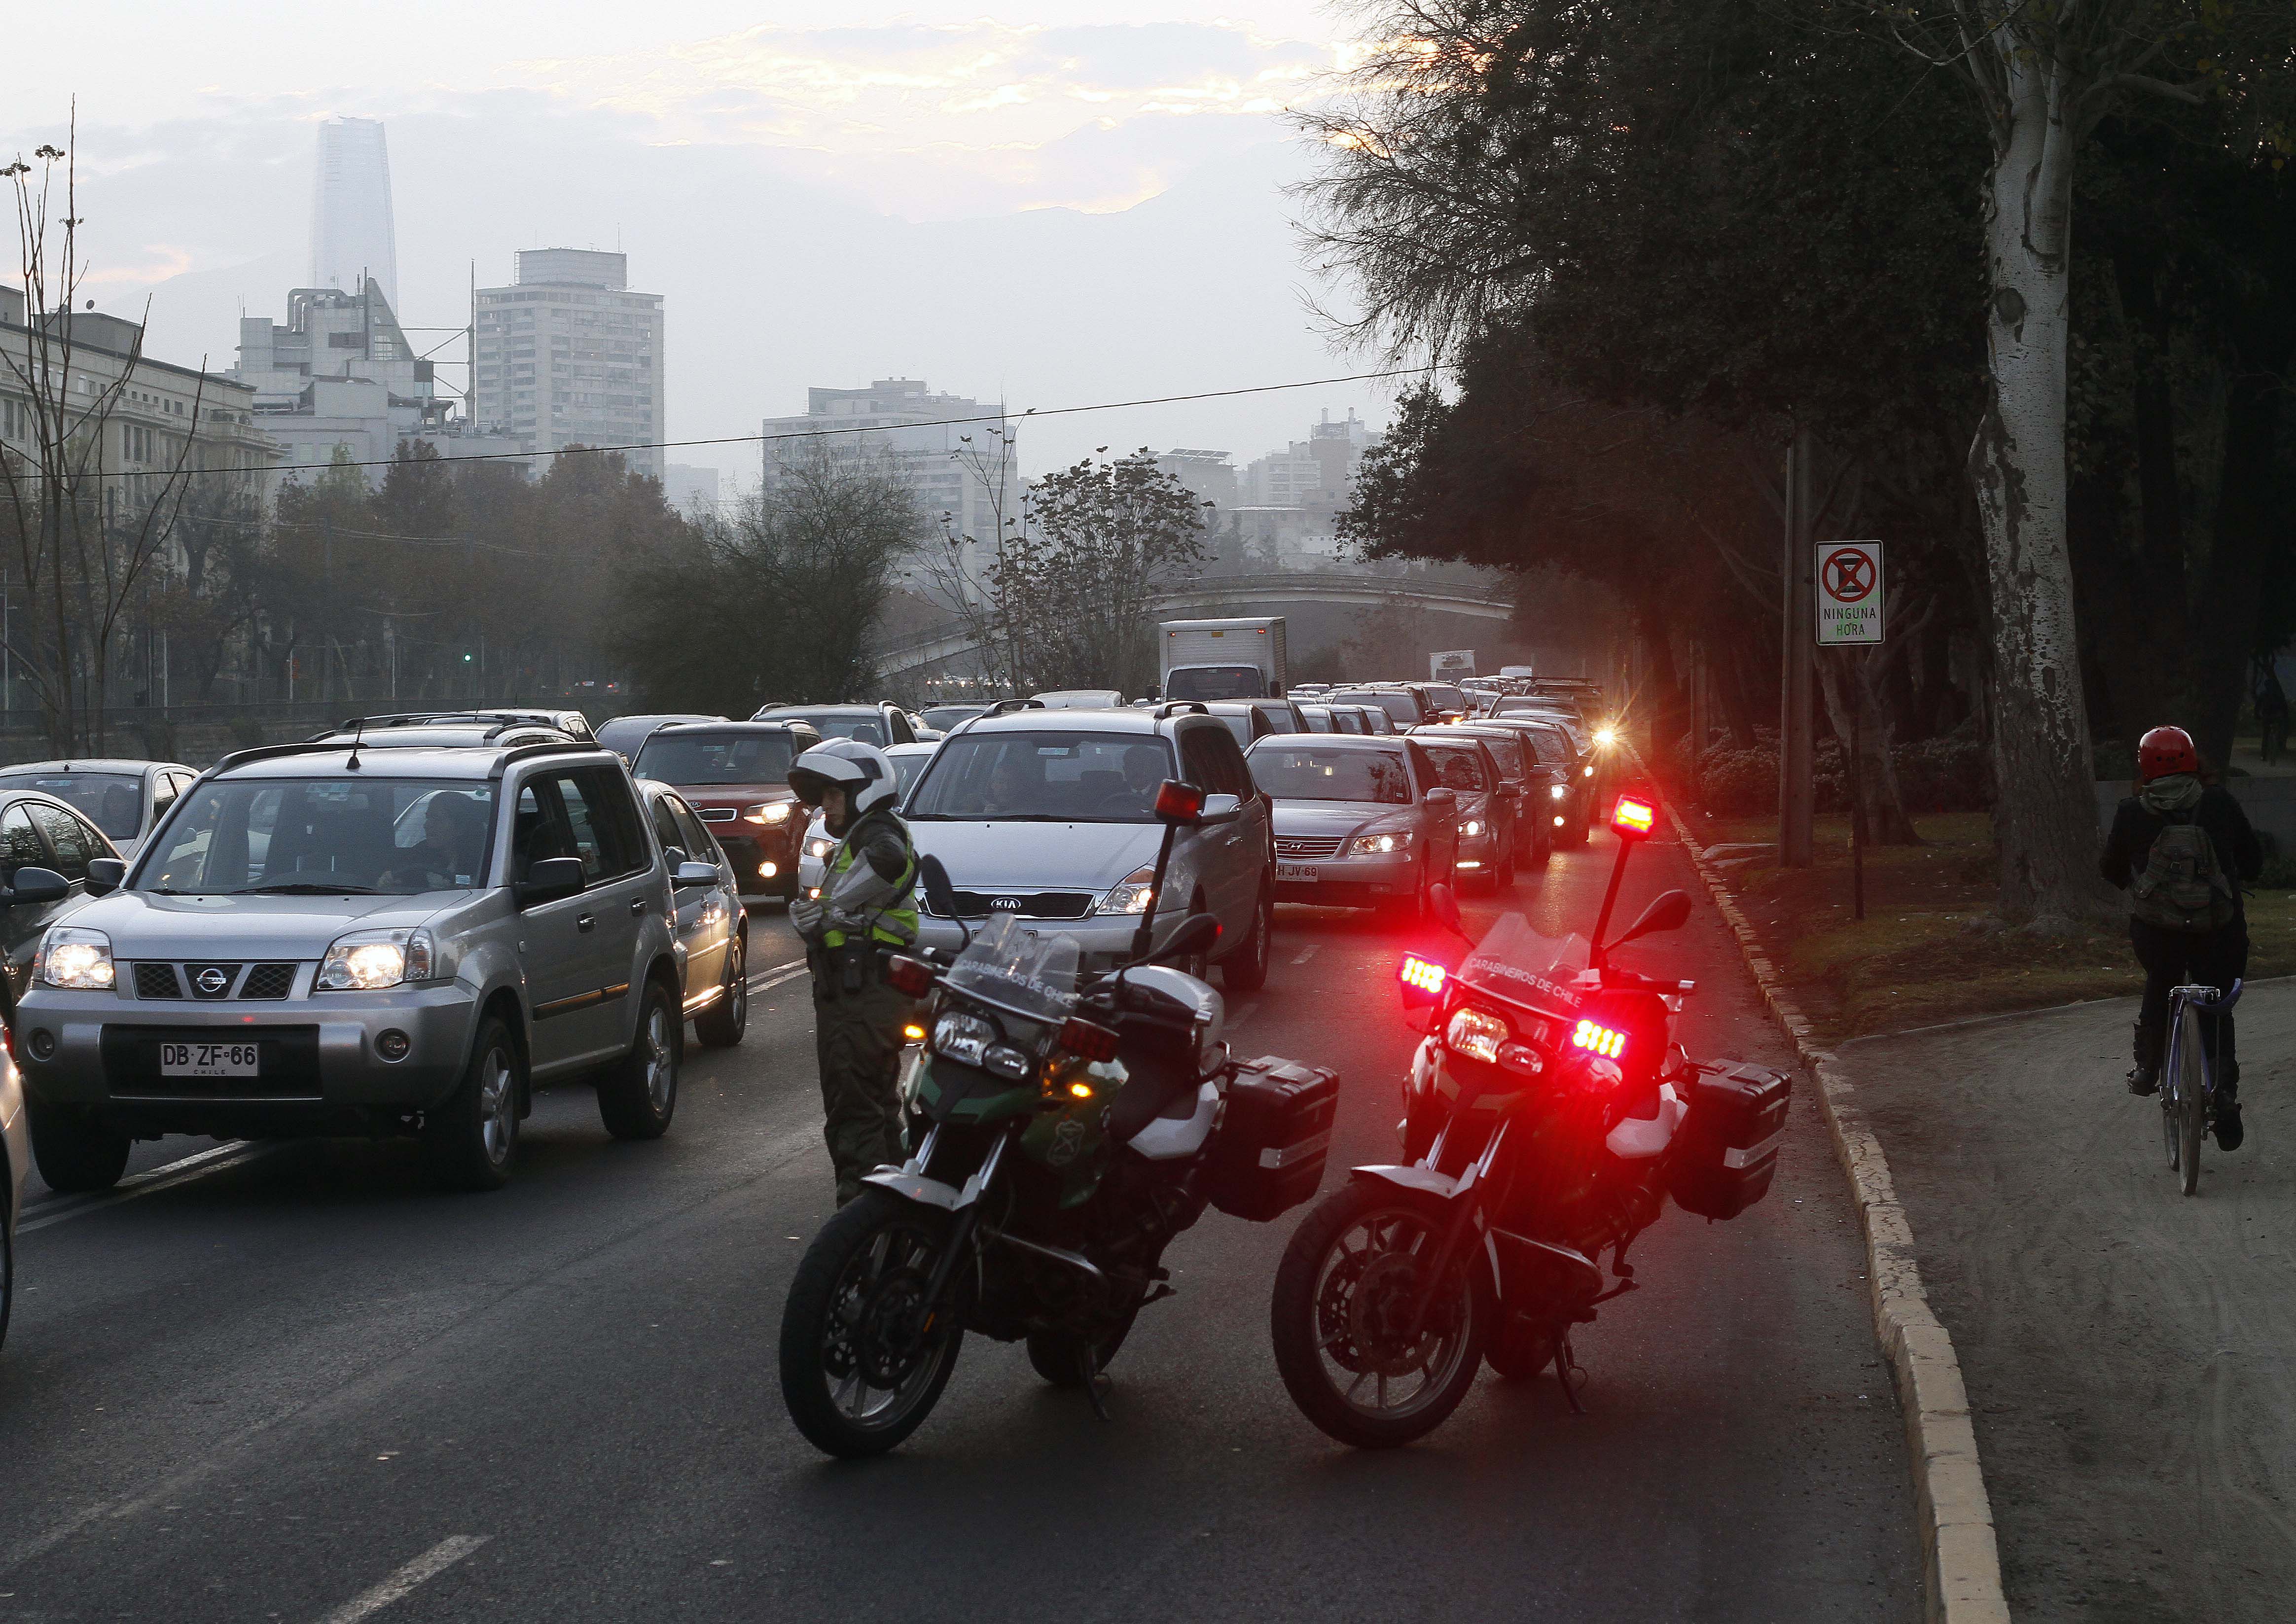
[[2188, 1079]]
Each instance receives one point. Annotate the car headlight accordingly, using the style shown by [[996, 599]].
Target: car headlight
[[1606, 736], [1385, 843], [1559, 791], [73, 956], [819, 848], [1472, 826], [1134, 894], [1587, 771], [767, 812], [367, 961]]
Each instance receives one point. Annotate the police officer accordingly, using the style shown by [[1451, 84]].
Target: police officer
[[866, 904]]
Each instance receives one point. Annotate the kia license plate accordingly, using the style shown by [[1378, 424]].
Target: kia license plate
[[1298, 872], [207, 1059]]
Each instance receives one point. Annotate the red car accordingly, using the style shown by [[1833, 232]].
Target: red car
[[736, 776]]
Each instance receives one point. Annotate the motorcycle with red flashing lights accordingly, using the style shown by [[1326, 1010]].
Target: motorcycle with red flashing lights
[[1547, 1116], [1061, 1130]]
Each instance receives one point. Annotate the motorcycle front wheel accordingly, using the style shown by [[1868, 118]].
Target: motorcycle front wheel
[[1345, 1296], [863, 1362]]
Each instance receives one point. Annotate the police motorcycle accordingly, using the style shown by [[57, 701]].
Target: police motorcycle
[[1547, 1116], [1061, 1129]]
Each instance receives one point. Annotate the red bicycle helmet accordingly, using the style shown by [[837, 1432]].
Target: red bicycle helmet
[[2165, 751]]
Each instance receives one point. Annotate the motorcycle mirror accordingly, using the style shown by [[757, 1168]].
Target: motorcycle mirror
[[1444, 903], [1195, 934], [932, 875], [1669, 911]]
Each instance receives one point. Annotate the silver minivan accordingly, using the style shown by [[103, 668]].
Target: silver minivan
[[326, 940]]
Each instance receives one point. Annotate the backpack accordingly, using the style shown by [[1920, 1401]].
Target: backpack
[[2183, 887]]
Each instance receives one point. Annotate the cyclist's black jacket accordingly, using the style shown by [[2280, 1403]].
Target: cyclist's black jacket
[[2239, 853]]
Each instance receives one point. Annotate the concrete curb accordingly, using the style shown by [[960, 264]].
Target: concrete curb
[[1961, 1560]]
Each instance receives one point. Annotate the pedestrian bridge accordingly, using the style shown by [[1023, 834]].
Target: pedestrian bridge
[[1238, 594]]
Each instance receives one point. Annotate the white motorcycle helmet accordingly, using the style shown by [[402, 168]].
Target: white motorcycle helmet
[[863, 771]]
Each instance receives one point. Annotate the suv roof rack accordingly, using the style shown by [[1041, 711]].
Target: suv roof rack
[[1176, 706], [1006, 707], [312, 747], [540, 747]]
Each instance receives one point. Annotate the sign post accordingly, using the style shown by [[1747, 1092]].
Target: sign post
[[1849, 611]]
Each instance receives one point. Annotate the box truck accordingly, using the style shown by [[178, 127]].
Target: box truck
[[1210, 660]]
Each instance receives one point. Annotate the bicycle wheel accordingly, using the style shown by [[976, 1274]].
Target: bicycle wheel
[[2192, 1099], [2170, 1092]]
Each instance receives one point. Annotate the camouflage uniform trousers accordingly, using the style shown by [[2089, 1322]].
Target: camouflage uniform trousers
[[858, 1038]]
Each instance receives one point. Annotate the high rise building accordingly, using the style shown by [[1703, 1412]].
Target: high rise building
[[568, 356], [352, 237], [921, 436]]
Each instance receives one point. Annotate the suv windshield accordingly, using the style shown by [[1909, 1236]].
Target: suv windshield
[[1294, 772], [112, 801], [723, 755], [1216, 681], [324, 837], [1045, 777], [865, 726]]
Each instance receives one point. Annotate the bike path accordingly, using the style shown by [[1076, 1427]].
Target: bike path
[[2127, 1350]]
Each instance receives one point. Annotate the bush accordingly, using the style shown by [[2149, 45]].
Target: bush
[[1954, 773], [1948, 774]]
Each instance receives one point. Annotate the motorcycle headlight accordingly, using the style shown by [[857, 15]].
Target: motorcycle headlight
[[74, 957], [1476, 1034], [1559, 791], [767, 812], [1385, 843], [962, 1038], [1134, 894], [367, 961]]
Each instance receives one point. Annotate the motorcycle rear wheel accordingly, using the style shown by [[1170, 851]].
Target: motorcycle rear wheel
[[1343, 1296], [858, 1372]]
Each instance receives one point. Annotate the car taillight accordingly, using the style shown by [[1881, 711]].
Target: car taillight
[[1423, 979], [910, 977], [1601, 1039], [1088, 1039]]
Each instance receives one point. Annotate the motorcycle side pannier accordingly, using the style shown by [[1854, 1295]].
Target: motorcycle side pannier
[[1726, 1152], [1269, 1156]]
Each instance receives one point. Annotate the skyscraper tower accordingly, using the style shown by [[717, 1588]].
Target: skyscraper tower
[[351, 232]]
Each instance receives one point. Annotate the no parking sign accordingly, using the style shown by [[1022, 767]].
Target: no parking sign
[[1850, 592]]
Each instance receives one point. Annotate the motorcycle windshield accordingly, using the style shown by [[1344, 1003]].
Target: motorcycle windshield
[[1021, 968], [1517, 963]]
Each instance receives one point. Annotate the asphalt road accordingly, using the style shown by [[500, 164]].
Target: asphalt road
[[294, 1383], [2126, 1347]]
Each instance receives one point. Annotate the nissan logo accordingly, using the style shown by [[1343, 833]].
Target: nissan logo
[[213, 979]]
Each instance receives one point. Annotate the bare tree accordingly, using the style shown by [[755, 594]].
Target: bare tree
[[981, 578], [84, 534]]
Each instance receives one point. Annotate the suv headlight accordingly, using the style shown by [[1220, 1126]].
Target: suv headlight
[[367, 961], [767, 812], [1561, 791], [75, 957], [1472, 826], [1385, 843], [1133, 894]]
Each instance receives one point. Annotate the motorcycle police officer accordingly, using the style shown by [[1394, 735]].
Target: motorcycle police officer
[[866, 904]]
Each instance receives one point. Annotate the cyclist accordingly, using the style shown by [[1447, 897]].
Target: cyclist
[[2181, 845]]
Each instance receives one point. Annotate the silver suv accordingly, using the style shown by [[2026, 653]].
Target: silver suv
[[319, 939], [1050, 817]]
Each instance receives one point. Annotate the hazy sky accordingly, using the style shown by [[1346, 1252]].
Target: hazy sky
[[1042, 205]]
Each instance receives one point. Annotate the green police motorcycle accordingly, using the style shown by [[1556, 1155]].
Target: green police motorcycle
[[1061, 1129]]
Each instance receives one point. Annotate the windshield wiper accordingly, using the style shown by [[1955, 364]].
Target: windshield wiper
[[306, 888]]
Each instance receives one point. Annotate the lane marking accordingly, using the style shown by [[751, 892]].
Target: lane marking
[[431, 1563], [1236, 1018], [773, 973], [158, 1178], [1307, 953]]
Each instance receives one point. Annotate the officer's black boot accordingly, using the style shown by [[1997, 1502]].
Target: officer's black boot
[[2144, 1076]]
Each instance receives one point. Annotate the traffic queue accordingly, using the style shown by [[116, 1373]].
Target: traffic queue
[[409, 924]]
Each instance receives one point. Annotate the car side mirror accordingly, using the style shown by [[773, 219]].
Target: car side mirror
[[1442, 799], [693, 874], [1669, 911], [1219, 809], [104, 875], [38, 885], [550, 880], [1194, 934], [932, 875]]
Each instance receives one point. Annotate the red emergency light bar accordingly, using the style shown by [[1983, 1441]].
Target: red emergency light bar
[[1632, 819]]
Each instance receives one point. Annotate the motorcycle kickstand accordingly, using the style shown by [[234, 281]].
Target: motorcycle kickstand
[[1565, 1363], [1095, 1384]]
